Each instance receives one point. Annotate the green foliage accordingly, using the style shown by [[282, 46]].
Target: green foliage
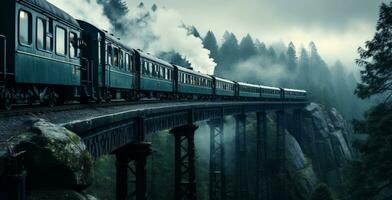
[[291, 57], [228, 55], [370, 177], [247, 48], [376, 58], [322, 192], [211, 44]]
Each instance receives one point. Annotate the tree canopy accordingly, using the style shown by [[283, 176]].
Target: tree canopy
[[376, 58], [370, 176]]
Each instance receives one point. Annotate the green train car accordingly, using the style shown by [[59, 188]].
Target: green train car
[[156, 76], [224, 87], [110, 69], [192, 84], [48, 57], [42, 55], [246, 90]]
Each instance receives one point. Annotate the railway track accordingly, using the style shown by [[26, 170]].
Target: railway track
[[41, 109]]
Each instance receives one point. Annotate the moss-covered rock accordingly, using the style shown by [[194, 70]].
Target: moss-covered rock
[[55, 157]]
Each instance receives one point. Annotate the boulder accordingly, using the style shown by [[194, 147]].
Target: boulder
[[55, 157]]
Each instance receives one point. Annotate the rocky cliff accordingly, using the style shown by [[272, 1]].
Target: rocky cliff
[[319, 150]]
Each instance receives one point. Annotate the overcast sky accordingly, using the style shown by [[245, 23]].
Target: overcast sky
[[337, 27]]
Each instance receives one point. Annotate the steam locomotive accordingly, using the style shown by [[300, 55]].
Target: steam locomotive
[[48, 57]]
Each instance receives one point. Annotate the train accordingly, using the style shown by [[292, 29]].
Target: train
[[49, 57]]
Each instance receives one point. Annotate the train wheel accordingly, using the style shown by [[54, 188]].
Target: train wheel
[[6, 101], [52, 99]]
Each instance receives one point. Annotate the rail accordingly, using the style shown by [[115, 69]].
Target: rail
[[3, 58]]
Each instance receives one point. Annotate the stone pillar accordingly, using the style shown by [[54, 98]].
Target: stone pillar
[[184, 172], [132, 158], [217, 161], [280, 191], [241, 185], [262, 189]]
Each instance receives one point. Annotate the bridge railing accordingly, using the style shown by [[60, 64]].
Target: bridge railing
[[3, 57]]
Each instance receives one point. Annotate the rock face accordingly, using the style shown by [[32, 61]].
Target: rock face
[[324, 140], [55, 157], [299, 168]]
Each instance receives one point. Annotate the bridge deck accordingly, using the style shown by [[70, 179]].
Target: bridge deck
[[87, 119]]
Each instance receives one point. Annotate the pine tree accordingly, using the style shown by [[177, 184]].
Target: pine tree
[[291, 57], [376, 58], [114, 10], [228, 56], [370, 177], [272, 54], [260, 48], [211, 44], [247, 48]]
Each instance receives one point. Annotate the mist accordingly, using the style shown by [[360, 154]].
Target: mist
[[261, 70], [89, 11], [161, 30]]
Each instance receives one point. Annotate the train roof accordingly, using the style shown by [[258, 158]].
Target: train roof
[[88, 26], [52, 10], [293, 90], [192, 72], [248, 84], [152, 58], [224, 80], [269, 87]]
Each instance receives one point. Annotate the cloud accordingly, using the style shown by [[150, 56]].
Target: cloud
[[164, 31], [89, 11]]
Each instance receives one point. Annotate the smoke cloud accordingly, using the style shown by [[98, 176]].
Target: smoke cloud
[[89, 11], [161, 31], [155, 31]]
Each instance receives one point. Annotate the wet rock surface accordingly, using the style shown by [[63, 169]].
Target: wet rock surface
[[54, 157], [321, 148]]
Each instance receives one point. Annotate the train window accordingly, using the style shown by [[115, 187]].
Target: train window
[[73, 43], [126, 62], [121, 59], [109, 54], [130, 66], [156, 70], [49, 35], [149, 69], [25, 28], [146, 68], [115, 57], [41, 34], [161, 73], [61, 41]]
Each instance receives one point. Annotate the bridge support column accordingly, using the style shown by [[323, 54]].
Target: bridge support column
[[184, 172], [262, 190], [132, 158], [280, 191], [217, 161], [241, 185], [297, 129]]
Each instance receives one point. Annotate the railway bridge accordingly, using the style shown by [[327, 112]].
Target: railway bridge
[[122, 131]]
